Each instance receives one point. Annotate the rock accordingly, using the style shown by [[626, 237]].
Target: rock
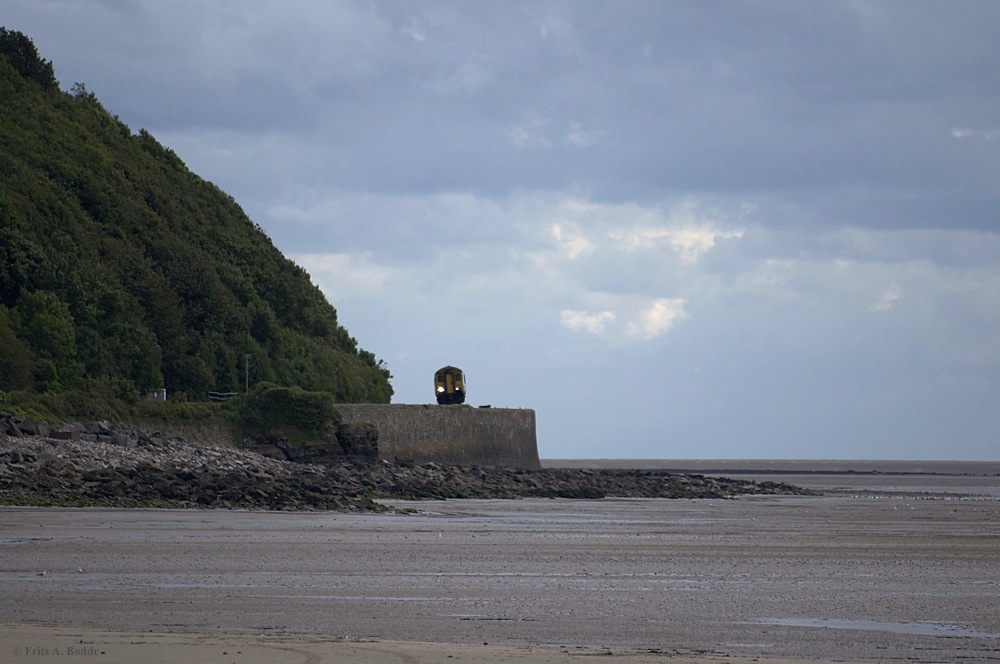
[[67, 432], [124, 466], [32, 428], [359, 439], [10, 425]]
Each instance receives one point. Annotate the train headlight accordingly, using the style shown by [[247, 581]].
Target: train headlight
[[440, 389]]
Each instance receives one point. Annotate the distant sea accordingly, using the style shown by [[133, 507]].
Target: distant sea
[[971, 479]]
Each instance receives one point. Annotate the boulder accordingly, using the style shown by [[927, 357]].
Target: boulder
[[10, 425], [30, 427]]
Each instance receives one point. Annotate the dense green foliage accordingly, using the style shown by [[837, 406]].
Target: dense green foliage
[[101, 401], [123, 271], [295, 412]]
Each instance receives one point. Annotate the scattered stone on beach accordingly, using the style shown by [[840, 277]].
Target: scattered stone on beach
[[124, 466]]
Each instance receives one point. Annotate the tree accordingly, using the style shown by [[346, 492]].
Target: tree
[[22, 55], [45, 323], [15, 367]]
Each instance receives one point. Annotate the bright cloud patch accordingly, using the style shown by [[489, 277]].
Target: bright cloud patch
[[658, 319], [571, 243], [633, 320], [888, 299], [582, 321], [983, 134], [690, 243]]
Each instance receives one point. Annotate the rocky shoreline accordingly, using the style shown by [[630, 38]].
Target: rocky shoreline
[[131, 468]]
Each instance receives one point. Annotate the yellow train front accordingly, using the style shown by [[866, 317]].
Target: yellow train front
[[449, 385]]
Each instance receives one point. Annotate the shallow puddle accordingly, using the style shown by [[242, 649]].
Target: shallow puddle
[[922, 628]]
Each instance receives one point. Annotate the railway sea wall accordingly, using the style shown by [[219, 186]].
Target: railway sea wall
[[451, 434]]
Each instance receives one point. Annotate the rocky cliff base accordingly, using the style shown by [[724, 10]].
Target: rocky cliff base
[[133, 468]]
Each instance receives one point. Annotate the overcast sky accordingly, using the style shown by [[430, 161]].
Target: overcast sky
[[674, 229]]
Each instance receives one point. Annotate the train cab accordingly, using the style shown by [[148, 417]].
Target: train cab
[[449, 386]]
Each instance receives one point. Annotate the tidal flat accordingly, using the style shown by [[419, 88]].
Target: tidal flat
[[901, 565]]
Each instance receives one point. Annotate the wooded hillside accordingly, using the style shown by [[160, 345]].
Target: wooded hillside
[[121, 269]]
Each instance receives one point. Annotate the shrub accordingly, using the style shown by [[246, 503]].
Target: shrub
[[296, 413]]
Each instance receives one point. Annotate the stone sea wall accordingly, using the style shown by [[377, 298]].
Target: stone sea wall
[[451, 434], [456, 435]]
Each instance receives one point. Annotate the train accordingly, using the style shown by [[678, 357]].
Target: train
[[449, 385]]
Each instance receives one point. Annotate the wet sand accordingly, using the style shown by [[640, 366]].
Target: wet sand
[[901, 571]]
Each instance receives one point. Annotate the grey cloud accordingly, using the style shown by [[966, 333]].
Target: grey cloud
[[682, 96], [423, 152]]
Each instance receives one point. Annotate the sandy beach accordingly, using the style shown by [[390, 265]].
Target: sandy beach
[[903, 569]]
